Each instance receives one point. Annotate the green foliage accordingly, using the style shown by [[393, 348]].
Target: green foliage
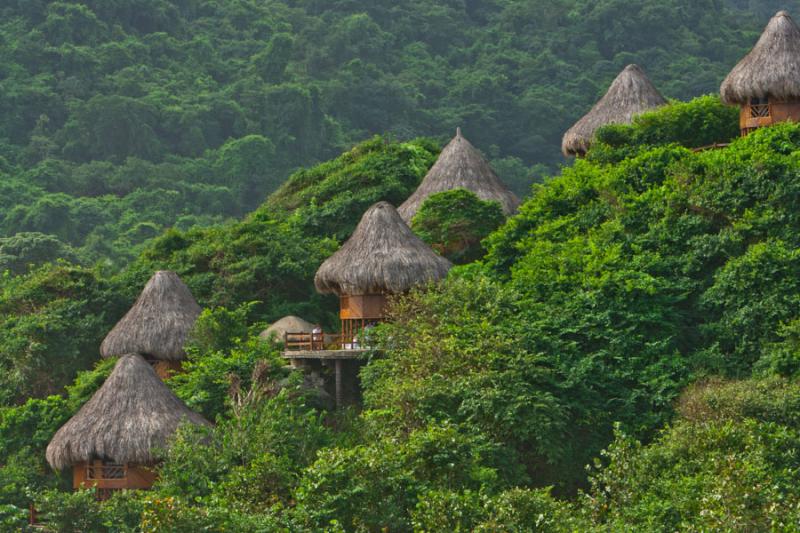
[[219, 329], [24, 249], [703, 122], [632, 274], [221, 351], [512, 511], [783, 356], [375, 486], [250, 461], [51, 324], [25, 431], [767, 272], [122, 120], [329, 198], [179, 516], [459, 355], [455, 222], [667, 263], [772, 399], [706, 473], [13, 518], [70, 512], [272, 255]]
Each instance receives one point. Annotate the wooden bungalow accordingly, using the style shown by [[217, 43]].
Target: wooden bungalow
[[766, 83], [460, 165], [383, 257], [630, 94], [111, 440], [157, 325]]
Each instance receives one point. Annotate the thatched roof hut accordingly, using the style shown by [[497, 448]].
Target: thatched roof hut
[[158, 323], [287, 324], [771, 69], [460, 165], [131, 415], [382, 256], [630, 94]]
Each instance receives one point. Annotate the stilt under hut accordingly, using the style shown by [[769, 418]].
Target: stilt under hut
[[460, 165], [110, 442], [766, 83], [630, 94], [157, 325], [383, 257]]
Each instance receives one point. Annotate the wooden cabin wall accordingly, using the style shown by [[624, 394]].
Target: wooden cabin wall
[[365, 306], [779, 112], [138, 477], [785, 112]]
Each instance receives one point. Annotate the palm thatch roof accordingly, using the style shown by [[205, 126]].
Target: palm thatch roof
[[130, 416], [287, 324], [382, 256], [158, 323], [460, 165], [771, 69], [630, 94]]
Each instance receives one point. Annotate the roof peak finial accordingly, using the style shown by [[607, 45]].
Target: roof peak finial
[[458, 131], [782, 13]]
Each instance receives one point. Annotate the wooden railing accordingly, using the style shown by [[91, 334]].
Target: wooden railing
[[312, 342]]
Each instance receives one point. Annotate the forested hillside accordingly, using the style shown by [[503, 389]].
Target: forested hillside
[[639, 315], [123, 119], [622, 354]]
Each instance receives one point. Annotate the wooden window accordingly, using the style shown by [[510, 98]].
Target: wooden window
[[105, 470], [759, 108]]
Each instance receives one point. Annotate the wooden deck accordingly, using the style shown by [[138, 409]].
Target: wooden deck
[[329, 355], [321, 346]]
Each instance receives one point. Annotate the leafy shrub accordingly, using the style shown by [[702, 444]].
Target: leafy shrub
[[455, 222], [70, 512], [699, 476], [772, 399], [702, 122]]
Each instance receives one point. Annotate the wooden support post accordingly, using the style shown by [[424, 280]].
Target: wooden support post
[[339, 392]]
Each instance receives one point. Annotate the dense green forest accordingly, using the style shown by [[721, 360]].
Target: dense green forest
[[125, 118], [639, 315], [621, 355]]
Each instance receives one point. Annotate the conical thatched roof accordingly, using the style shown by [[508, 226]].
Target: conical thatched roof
[[158, 323], [771, 69], [287, 324], [630, 94], [382, 256], [460, 165], [130, 416]]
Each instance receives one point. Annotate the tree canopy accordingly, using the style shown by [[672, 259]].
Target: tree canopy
[[126, 119], [640, 314]]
